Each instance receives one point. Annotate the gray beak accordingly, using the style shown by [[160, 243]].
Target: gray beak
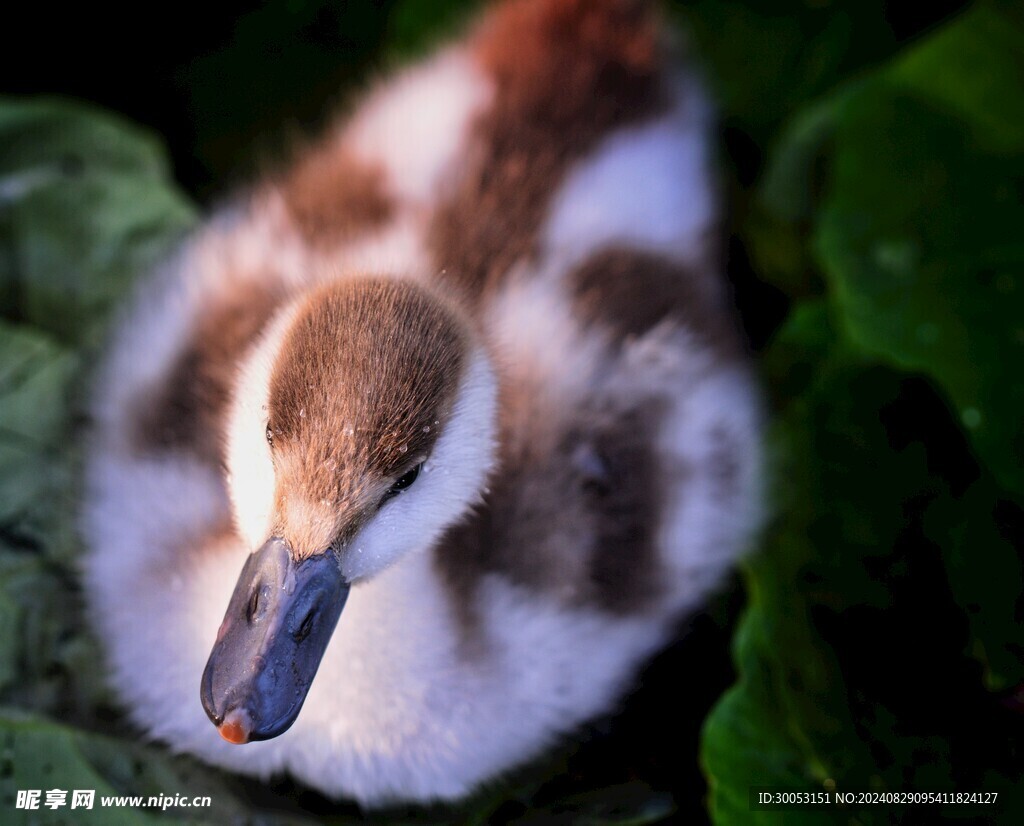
[[276, 629]]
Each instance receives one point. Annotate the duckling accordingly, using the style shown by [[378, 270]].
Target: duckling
[[414, 453]]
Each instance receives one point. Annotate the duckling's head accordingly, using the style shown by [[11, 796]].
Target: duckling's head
[[363, 425]]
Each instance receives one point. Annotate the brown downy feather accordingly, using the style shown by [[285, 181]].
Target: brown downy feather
[[332, 196], [629, 291], [565, 74]]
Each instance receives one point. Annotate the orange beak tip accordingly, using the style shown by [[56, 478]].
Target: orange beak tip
[[234, 728]]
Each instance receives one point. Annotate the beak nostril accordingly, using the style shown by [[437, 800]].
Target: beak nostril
[[306, 627], [254, 608]]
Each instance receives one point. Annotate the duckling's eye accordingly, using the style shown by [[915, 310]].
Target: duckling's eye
[[405, 481]]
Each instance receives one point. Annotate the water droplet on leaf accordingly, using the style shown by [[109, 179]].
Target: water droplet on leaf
[[897, 257], [971, 417]]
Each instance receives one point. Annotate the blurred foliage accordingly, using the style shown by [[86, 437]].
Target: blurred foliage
[[885, 611], [873, 155]]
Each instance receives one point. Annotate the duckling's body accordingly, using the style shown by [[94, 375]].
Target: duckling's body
[[522, 225]]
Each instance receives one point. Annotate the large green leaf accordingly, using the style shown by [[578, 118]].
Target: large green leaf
[[972, 71], [851, 654], [890, 214], [86, 204], [917, 229], [920, 236]]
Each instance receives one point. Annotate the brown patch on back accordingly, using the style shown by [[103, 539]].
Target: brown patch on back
[[629, 291], [187, 408], [362, 387], [332, 196], [566, 73], [574, 520]]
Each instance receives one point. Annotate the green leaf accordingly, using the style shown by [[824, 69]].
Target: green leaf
[[35, 754], [972, 71], [830, 651], [748, 742], [86, 204], [35, 388], [899, 442], [920, 237], [912, 181]]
